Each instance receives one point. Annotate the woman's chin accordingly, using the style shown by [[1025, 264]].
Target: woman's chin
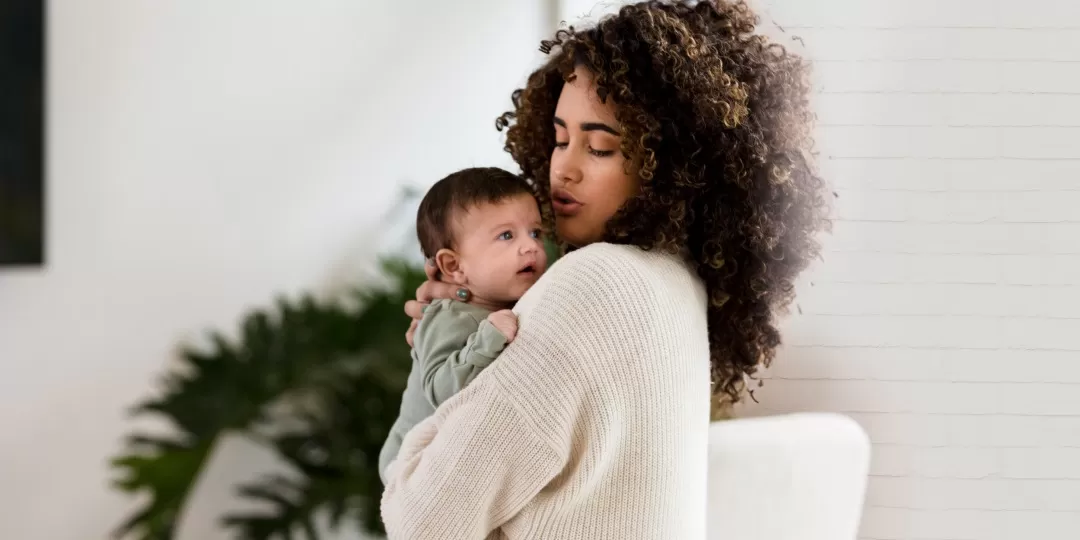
[[573, 235]]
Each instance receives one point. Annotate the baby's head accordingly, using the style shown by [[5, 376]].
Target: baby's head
[[482, 228]]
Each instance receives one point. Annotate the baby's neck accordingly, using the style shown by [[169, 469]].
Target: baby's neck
[[490, 305]]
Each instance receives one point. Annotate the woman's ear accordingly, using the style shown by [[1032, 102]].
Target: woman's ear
[[449, 264]]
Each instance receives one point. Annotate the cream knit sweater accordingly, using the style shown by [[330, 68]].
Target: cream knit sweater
[[592, 425]]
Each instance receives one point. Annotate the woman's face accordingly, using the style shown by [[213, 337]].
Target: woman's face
[[589, 182]]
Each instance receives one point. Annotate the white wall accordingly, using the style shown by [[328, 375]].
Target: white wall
[[203, 157], [946, 317]]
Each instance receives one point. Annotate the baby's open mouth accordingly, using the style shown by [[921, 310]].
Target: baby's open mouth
[[528, 270]]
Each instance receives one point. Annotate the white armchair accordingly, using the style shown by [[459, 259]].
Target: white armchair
[[787, 477]]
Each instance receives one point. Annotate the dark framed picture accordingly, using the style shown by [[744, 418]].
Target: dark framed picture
[[22, 131]]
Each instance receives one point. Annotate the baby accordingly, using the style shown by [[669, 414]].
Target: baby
[[481, 228]]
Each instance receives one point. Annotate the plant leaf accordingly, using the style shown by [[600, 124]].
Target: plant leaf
[[337, 372]]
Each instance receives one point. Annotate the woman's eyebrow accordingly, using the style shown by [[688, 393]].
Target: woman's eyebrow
[[589, 126], [599, 126]]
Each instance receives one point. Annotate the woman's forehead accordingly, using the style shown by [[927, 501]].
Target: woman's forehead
[[579, 101]]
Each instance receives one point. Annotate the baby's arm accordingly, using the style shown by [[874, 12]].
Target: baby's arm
[[453, 350]]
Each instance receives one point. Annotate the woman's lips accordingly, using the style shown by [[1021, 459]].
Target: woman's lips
[[564, 203]]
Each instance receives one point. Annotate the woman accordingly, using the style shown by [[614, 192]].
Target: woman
[[672, 146]]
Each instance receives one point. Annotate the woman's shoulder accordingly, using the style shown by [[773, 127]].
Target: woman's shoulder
[[604, 251], [602, 272], [621, 266]]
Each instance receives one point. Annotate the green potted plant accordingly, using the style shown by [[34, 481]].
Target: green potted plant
[[317, 382]]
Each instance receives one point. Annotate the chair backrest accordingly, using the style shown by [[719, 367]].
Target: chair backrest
[[787, 477]]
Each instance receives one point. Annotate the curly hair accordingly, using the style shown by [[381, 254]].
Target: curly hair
[[718, 127]]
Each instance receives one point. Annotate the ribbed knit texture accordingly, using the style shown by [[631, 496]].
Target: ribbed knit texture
[[593, 424]]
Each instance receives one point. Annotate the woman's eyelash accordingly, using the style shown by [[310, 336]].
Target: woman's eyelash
[[597, 153]]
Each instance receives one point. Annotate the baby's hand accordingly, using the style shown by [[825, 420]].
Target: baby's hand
[[505, 322]]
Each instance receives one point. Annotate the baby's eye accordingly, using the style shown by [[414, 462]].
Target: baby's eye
[[537, 233], [506, 236]]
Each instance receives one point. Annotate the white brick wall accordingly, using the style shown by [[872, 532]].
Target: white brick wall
[[946, 316]]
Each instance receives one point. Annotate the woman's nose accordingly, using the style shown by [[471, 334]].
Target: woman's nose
[[565, 168]]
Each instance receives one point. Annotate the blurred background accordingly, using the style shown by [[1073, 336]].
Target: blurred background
[[206, 157]]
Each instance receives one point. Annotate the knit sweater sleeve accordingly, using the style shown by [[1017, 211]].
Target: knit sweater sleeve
[[466, 470], [489, 450]]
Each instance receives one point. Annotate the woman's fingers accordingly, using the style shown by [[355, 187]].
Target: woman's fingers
[[411, 332], [431, 290], [415, 309]]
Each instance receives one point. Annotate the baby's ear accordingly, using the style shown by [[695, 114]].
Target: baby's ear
[[449, 264]]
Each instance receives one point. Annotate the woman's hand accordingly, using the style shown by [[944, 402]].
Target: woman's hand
[[428, 291]]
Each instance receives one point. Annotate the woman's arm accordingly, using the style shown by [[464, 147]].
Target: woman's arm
[[478, 460], [487, 452], [466, 470]]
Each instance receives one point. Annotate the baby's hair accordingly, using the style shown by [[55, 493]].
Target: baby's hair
[[459, 192]]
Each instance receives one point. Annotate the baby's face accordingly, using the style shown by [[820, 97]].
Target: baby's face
[[500, 247]]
